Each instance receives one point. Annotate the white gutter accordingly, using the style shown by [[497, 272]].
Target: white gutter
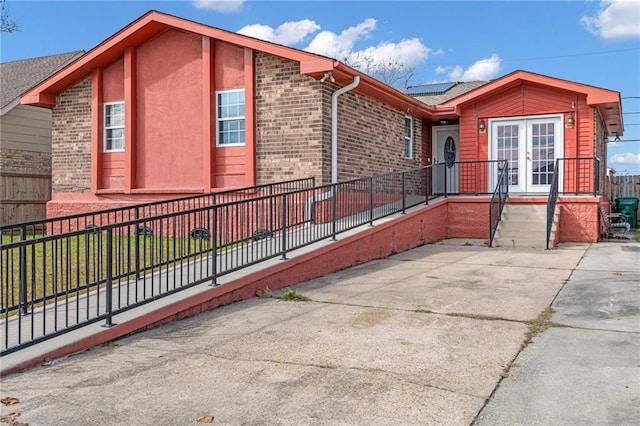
[[334, 142], [334, 126]]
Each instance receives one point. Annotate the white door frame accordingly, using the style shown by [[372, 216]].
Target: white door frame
[[526, 155], [452, 180]]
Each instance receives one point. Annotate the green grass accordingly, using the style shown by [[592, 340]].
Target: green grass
[[72, 264]]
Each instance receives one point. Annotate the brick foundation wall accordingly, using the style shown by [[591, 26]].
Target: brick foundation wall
[[579, 219], [468, 218], [71, 140], [25, 162]]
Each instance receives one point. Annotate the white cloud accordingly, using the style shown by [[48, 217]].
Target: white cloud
[[288, 33], [616, 19], [222, 6], [628, 158], [483, 69], [441, 70], [340, 46], [408, 52]]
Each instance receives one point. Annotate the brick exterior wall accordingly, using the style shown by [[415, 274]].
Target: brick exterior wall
[[371, 138], [71, 139], [25, 162], [291, 123], [293, 128]]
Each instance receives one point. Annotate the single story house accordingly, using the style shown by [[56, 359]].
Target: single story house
[[25, 139], [169, 107]]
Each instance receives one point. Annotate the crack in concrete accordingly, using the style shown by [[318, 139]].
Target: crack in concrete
[[394, 375]]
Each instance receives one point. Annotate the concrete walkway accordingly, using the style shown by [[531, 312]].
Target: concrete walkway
[[445, 334]]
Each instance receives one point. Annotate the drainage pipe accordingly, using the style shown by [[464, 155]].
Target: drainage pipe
[[334, 144], [334, 125]]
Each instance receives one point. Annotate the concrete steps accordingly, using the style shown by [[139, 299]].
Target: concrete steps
[[524, 225]]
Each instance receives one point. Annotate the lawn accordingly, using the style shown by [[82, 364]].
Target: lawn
[[74, 264]]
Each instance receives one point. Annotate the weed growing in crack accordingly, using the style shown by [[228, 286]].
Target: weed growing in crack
[[540, 324], [291, 295]]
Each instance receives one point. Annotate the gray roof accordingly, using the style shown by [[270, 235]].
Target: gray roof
[[19, 76], [438, 93]]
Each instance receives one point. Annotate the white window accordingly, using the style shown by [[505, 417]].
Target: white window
[[113, 126], [230, 117], [408, 138]]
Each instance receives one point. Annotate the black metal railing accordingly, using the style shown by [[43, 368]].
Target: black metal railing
[[571, 176], [498, 199], [133, 211], [56, 283], [579, 176], [551, 203]]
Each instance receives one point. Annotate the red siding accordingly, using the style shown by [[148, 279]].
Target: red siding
[[112, 170], [527, 99]]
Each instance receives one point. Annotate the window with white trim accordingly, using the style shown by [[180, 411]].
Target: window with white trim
[[230, 118], [408, 138], [113, 126]]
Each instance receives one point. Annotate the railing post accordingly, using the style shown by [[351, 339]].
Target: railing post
[[23, 271], [426, 185], [283, 240], [596, 176], [270, 207], [109, 280], [371, 201], [491, 225], [334, 211], [404, 189], [445, 179], [136, 240], [214, 240]]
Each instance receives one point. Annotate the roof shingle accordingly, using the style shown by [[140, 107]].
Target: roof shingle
[[438, 93], [19, 76]]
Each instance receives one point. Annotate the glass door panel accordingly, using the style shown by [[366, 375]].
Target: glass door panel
[[542, 153], [531, 146]]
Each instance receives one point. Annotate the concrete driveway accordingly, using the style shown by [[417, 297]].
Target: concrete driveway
[[431, 336]]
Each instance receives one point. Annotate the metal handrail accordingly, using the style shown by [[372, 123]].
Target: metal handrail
[[88, 275], [552, 201], [580, 176], [498, 200], [139, 210]]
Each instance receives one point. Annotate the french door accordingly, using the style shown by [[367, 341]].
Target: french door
[[531, 146]]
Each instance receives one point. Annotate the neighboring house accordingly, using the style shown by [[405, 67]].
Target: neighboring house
[[25, 139], [169, 107]]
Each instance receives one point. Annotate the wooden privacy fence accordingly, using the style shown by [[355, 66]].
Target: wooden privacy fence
[[23, 196], [622, 186]]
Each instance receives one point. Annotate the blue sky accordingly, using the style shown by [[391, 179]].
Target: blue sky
[[592, 42]]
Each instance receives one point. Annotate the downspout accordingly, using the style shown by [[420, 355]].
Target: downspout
[[334, 143], [334, 126]]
